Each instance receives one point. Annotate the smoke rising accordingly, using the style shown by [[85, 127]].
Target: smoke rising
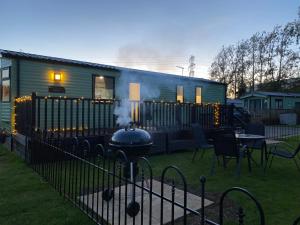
[[148, 91], [145, 57], [122, 112]]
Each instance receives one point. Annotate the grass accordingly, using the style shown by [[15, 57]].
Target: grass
[[26, 199], [278, 190]]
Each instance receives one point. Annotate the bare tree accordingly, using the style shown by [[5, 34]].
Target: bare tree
[[285, 55], [220, 69], [270, 47], [261, 56], [253, 53], [242, 66], [265, 58]]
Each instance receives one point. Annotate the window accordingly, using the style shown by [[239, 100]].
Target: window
[[179, 96], [134, 92], [104, 87], [198, 93], [278, 104], [134, 95], [255, 105], [5, 85]]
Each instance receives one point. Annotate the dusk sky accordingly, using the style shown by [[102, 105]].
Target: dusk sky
[[152, 35]]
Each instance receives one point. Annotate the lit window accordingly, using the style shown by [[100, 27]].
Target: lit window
[[134, 92], [198, 99], [5, 85], [57, 77], [179, 97], [104, 87], [134, 95]]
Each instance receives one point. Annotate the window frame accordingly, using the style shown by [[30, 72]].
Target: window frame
[[94, 76], [200, 94], [182, 93], [1, 84], [277, 100]]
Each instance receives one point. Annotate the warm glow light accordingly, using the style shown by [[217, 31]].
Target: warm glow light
[[57, 77], [134, 95], [217, 109], [198, 95], [179, 96], [134, 92]]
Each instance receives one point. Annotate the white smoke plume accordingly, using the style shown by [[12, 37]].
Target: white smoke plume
[[148, 91], [122, 111]]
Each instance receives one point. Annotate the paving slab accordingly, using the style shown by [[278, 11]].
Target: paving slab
[[115, 208]]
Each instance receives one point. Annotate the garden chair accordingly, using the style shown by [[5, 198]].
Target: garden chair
[[226, 146], [200, 139], [258, 129], [284, 152]]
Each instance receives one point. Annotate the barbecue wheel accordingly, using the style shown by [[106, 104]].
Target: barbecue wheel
[[133, 209], [107, 194]]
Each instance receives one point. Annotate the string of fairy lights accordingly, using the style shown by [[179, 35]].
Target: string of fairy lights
[[217, 110], [24, 99]]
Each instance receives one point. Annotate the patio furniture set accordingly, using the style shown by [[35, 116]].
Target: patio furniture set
[[236, 144]]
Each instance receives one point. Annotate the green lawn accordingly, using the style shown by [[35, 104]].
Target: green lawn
[[27, 199], [278, 190]]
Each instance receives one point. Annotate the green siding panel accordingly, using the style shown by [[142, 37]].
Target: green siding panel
[[77, 81], [6, 107], [288, 102], [157, 86], [37, 76]]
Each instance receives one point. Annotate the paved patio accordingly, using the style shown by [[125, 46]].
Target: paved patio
[[193, 202]]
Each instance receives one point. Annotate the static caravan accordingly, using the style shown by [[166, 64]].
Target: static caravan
[[22, 74], [263, 100]]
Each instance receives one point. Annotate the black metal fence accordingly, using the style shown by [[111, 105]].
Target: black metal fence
[[275, 128], [282, 132], [85, 117], [272, 116], [96, 181]]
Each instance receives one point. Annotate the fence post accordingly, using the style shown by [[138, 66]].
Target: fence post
[[202, 181], [241, 216], [33, 98], [193, 113]]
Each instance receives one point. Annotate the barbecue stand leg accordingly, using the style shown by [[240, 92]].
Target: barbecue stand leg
[[133, 207]]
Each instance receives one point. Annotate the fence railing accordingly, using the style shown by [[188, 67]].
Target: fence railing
[[96, 182], [282, 132], [274, 127], [85, 117], [271, 116]]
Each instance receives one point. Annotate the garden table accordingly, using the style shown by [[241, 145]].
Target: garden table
[[252, 138]]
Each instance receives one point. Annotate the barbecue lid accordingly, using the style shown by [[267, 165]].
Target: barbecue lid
[[131, 137]]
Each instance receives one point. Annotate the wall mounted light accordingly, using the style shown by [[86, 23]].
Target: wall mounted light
[[57, 76]]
